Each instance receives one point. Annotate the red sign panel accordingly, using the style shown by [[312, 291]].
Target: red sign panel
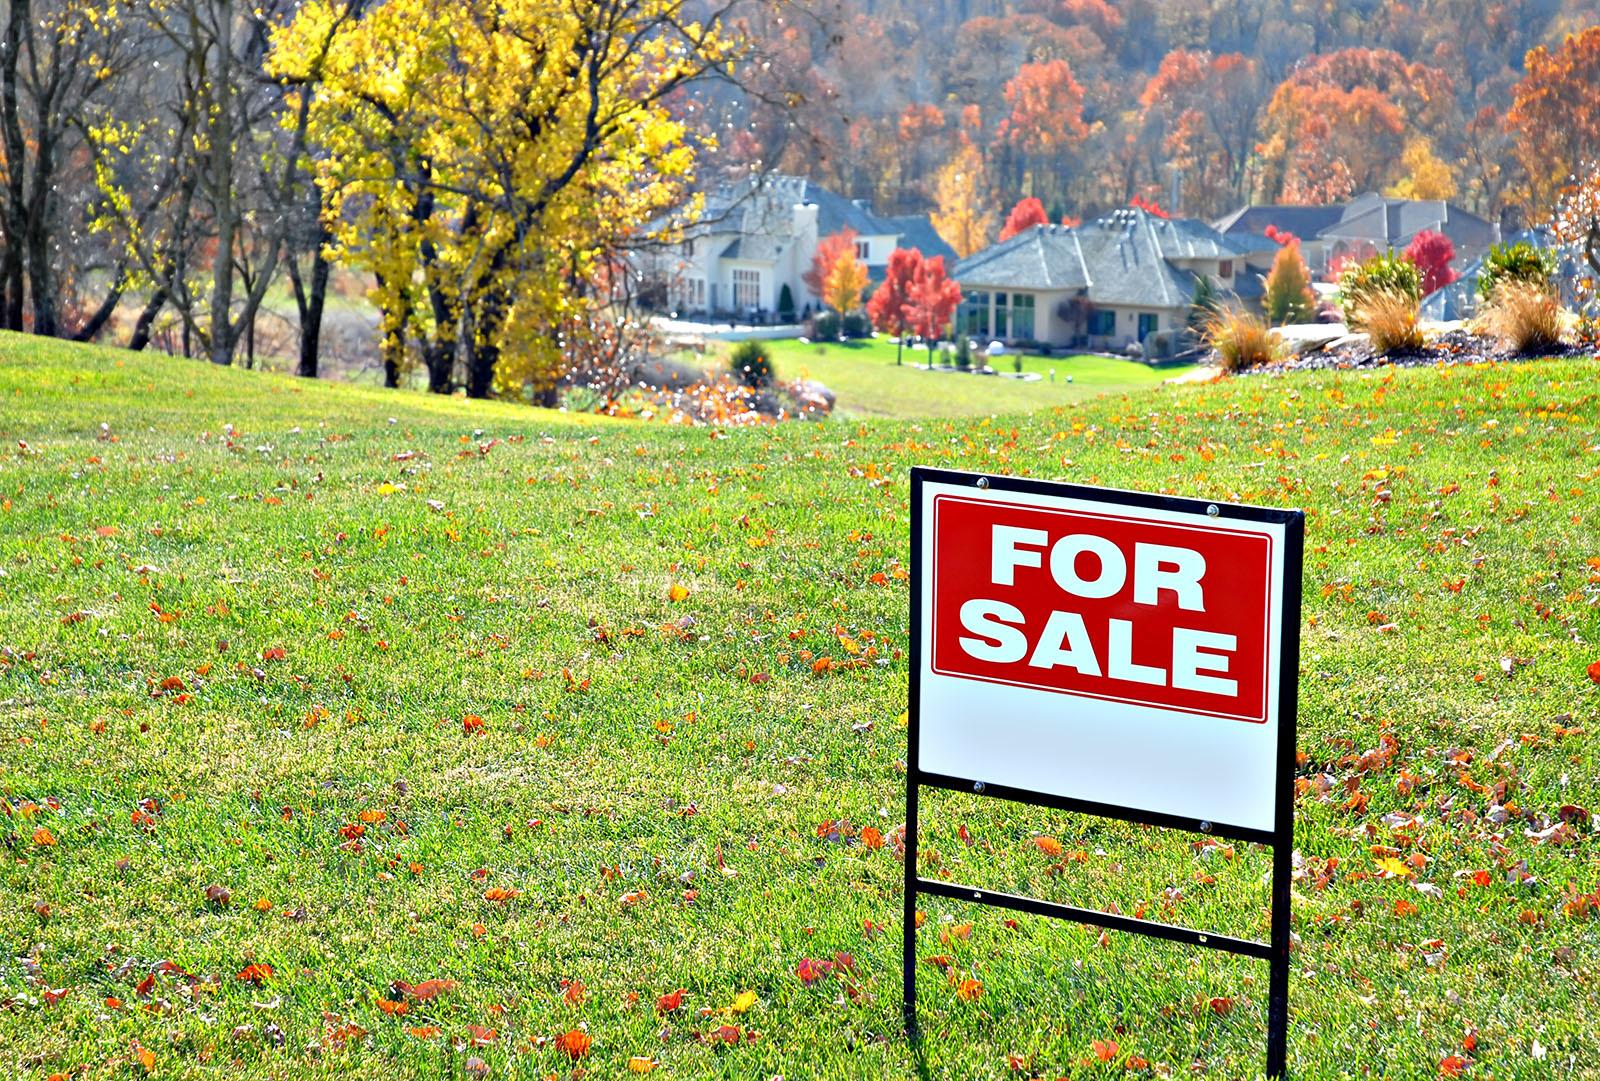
[[1102, 605]]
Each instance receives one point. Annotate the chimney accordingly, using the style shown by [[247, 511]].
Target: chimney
[[805, 221]]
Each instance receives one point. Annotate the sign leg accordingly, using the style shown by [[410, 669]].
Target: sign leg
[[1278, 986], [908, 960]]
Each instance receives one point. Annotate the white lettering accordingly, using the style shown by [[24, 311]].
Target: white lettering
[[1150, 577], [1188, 662], [999, 643], [1064, 565], [1005, 556], [1065, 629], [1122, 666]]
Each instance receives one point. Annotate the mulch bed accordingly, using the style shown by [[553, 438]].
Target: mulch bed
[[1454, 347]]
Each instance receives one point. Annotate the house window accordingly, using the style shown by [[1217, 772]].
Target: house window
[[1000, 320], [746, 288], [1102, 322], [688, 248], [1147, 324], [974, 316], [1022, 316], [862, 247], [1225, 268]]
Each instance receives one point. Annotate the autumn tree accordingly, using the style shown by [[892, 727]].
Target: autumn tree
[[1555, 116], [830, 249], [846, 280], [486, 160], [934, 298], [1424, 175], [1289, 297], [1432, 253], [890, 306], [1045, 119], [1025, 215], [60, 61], [963, 217], [1204, 111]]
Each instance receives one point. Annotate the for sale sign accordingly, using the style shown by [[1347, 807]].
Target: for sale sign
[[1106, 649]]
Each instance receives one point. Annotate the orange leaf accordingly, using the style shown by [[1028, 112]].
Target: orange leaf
[[969, 990], [1594, 671], [871, 837], [498, 893], [574, 994], [1049, 846], [1104, 1050], [256, 973], [427, 989], [575, 1043], [389, 1005], [43, 838], [641, 1064], [1452, 1066], [1221, 1006], [677, 592], [669, 1002], [1403, 908], [424, 1032]]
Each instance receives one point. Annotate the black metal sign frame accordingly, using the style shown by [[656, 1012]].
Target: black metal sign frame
[[1280, 838]]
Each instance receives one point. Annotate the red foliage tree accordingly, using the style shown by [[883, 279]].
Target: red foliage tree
[[1025, 215], [934, 298], [829, 248], [890, 306], [1432, 253], [1281, 237]]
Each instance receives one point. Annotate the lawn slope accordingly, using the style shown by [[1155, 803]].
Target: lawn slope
[[309, 689]]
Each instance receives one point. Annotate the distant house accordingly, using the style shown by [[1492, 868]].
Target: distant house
[[745, 255], [1104, 284], [1365, 225], [1459, 299]]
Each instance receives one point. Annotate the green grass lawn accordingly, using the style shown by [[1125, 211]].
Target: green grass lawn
[[864, 375], [375, 687]]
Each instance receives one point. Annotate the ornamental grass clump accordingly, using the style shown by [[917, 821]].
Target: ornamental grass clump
[[1389, 317], [1390, 273], [1524, 316], [1242, 341]]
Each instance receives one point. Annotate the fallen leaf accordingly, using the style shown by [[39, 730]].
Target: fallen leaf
[[575, 1043], [677, 592], [670, 1001], [743, 1001], [1104, 1050], [641, 1064], [256, 973], [968, 990]]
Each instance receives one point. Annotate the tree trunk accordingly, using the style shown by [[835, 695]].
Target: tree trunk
[[222, 334], [147, 318], [310, 304], [90, 330], [393, 349], [16, 157], [483, 347], [46, 305]]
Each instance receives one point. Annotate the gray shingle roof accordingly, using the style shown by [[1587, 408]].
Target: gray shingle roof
[[1122, 258], [1302, 221]]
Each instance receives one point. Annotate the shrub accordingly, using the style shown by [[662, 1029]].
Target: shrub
[[963, 352], [856, 325], [1289, 297], [1205, 307], [1519, 262], [1386, 272], [751, 363], [1523, 316], [1389, 316], [1242, 341], [786, 304]]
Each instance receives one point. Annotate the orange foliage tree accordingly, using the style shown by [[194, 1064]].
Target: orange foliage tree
[[1046, 118], [1555, 117], [1203, 109]]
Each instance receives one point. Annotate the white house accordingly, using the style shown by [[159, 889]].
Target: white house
[[746, 253], [1105, 284]]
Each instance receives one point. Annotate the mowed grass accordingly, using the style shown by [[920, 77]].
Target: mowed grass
[[869, 383], [429, 656]]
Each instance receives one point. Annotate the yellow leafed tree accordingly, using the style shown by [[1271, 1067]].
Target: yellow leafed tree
[[964, 218], [487, 160], [1426, 177], [845, 283]]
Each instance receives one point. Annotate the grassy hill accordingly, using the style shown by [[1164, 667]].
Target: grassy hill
[[308, 689]]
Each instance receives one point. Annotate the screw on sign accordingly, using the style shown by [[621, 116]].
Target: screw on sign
[[1111, 653]]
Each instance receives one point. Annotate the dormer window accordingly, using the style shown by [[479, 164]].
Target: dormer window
[[1225, 268], [861, 250]]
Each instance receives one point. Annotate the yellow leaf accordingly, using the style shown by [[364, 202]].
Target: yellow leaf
[[1393, 866], [677, 593], [641, 1064], [743, 1001], [387, 489]]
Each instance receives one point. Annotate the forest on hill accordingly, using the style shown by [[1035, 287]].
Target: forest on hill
[[1198, 105]]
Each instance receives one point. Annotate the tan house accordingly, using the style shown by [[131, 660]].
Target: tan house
[[1105, 284]]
